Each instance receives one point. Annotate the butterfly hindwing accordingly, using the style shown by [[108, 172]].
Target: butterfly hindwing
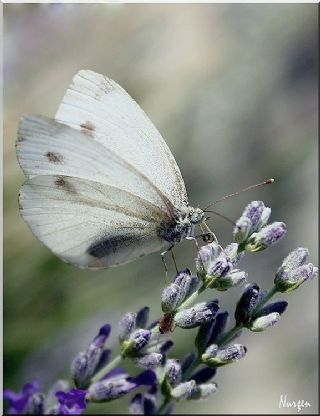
[[88, 223]]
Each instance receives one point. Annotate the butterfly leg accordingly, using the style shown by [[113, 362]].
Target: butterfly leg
[[174, 260], [164, 262]]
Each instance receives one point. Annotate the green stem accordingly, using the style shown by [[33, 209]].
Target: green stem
[[191, 299], [106, 369], [162, 409], [229, 335], [191, 369]]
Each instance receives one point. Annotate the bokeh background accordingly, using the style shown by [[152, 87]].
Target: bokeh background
[[233, 90]]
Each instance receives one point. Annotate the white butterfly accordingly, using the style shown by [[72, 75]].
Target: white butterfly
[[103, 187]]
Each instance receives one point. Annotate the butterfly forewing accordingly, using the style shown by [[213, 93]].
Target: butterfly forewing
[[105, 112], [46, 147]]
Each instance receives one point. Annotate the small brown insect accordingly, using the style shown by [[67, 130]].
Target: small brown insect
[[166, 324]]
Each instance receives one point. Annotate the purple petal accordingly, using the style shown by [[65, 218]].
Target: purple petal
[[116, 372], [72, 402], [18, 401], [146, 378]]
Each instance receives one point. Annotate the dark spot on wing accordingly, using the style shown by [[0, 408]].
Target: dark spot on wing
[[109, 245], [62, 182], [20, 138], [54, 157], [19, 202], [87, 128]]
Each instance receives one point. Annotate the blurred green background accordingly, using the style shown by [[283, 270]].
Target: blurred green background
[[233, 90]]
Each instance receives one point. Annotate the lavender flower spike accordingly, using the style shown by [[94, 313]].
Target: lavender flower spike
[[266, 237]]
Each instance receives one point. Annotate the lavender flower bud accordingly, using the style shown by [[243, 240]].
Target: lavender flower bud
[[220, 324], [254, 217], [149, 403], [195, 284], [231, 250], [142, 317], [149, 361], [295, 259], [266, 237], [143, 404], [184, 390], [174, 294], [51, 399], [173, 372], [206, 255], [278, 306], [233, 278], [258, 214], [136, 406], [217, 357], [183, 281], [165, 346], [209, 332], [247, 303], [102, 336], [104, 359], [203, 336], [126, 325], [137, 341], [204, 374], [35, 404], [85, 363], [204, 391], [187, 361], [106, 390], [293, 271], [264, 322], [195, 316], [170, 298], [242, 230], [294, 279], [80, 370], [220, 267]]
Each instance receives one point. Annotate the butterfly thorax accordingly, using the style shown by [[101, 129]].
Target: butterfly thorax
[[182, 224]]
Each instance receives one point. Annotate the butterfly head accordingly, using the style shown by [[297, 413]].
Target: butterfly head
[[196, 215]]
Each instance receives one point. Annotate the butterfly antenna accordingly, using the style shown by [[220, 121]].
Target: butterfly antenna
[[221, 216], [267, 182]]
